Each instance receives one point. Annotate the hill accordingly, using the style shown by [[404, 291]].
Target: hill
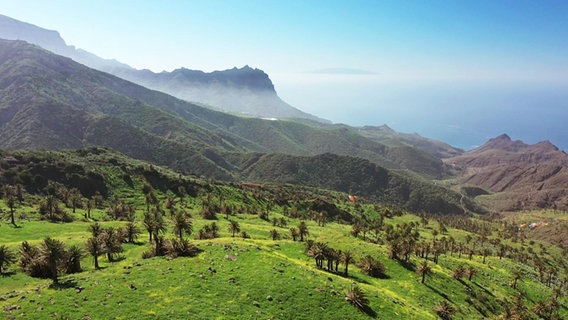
[[246, 91], [243, 90], [360, 177], [52, 102], [519, 176], [399, 265]]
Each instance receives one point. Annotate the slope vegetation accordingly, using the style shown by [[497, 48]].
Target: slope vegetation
[[255, 265]]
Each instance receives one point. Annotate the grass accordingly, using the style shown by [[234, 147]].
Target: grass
[[268, 280]]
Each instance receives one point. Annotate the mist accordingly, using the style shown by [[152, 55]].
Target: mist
[[462, 113]]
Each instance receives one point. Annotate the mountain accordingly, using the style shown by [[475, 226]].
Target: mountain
[[33, 77], [357, 176], [12, 29], [48, 101], [390, 137], [246, 91], [519, 175]]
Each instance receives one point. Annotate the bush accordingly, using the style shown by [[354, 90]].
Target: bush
[[444, 309], [372, 267], [357, 297], [180, 248]]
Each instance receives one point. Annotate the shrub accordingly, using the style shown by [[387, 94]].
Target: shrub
[[444, 309], [357, 297], [372, 267]]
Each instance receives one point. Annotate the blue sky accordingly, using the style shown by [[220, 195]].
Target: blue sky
[[394, 62]]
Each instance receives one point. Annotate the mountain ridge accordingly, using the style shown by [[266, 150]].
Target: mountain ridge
[[520, 176], [246, 90], [49, 101]]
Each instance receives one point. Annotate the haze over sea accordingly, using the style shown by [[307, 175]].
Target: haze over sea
[[458, 71], [464, 114]]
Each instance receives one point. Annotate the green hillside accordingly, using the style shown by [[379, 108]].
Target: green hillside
[[251, 265], [50, 101]]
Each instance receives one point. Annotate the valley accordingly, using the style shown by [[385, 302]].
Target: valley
[[129, 193]]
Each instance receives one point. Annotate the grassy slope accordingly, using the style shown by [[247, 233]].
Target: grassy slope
[[184, 288]]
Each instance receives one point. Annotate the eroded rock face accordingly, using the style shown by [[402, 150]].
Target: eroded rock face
[[522, 176]]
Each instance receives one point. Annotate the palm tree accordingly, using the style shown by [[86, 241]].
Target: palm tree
[[112, 241], [234, 227], [159, 227], [73, 259], [131, 232], [470, 272], [486, 252], [274, 234], [347, 257], [52, 251], [294, 233], [540, 308], [444, 310], [423, 270], [89, 206], [95, 229], [75, 198], [182, 224], [7, 257], [357, 297], [148, 222], [10, 197], [50, 207], [303, 230], [371, 266], [28, 254], [317, 251], [458, 272], [515, 277], [95, 248], [213, 230]]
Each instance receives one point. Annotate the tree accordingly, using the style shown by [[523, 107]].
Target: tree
[[98, 199], [112, 242], [10, 197], [182, 224], [158, 227], [515, 277], [73, 259], [148, 222], [131, 232], [357, 297], [75, 198], [372, 266], [423, 270], [95, 229], [234, 227], [95, 248], [444, 309], [89, 205], [294, 233], [7, 257], [458, 272], [347, 258], [274, 234], [317, 250], [470, 272], [486, 252], [52, 252], [303, 230], [50, 207]]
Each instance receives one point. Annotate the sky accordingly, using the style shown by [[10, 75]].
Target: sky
[[459, 71]]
